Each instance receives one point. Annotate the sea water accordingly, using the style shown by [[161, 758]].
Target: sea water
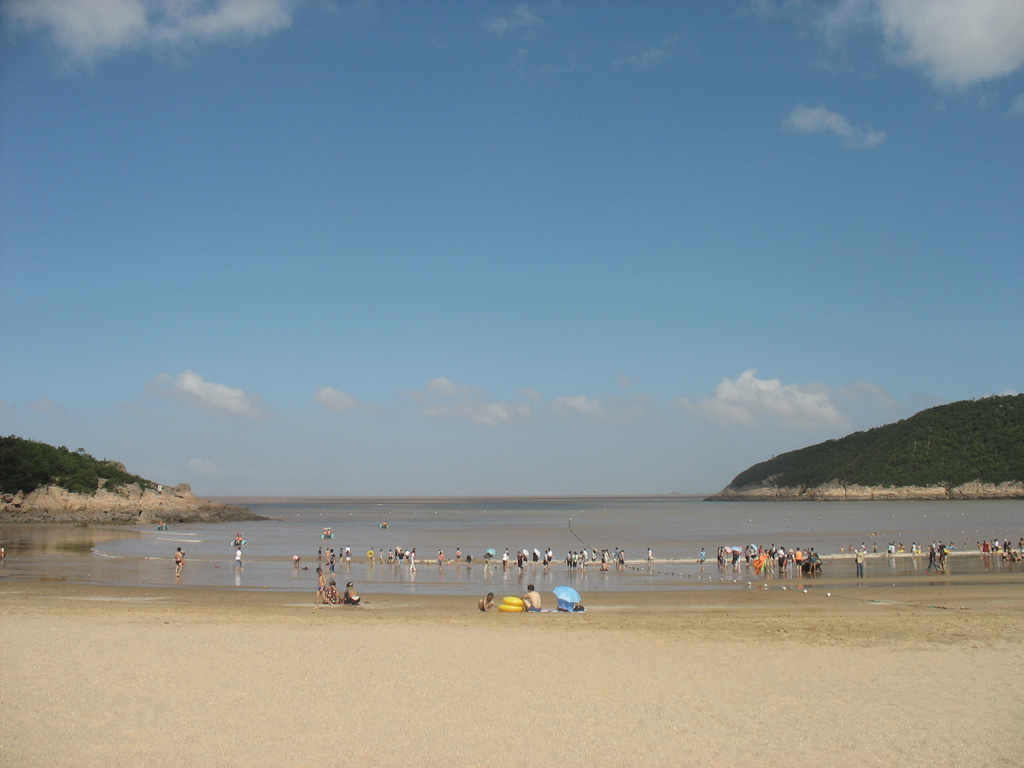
[[675, 529]]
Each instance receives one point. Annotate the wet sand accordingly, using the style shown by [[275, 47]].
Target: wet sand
[[873, 675]]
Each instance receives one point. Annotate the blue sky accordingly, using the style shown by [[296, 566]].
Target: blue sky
[[453, 248]]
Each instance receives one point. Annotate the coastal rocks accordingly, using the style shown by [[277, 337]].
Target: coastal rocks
[[988, 491], [125, 505], [837, 491]]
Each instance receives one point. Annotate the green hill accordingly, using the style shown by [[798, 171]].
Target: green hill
[[964, 442], [26, 465]]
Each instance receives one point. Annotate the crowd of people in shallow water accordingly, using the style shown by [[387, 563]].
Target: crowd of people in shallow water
[[773, 560], [767, 562], [1003, 548]]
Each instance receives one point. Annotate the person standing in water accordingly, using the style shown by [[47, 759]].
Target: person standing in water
[[179, 563]]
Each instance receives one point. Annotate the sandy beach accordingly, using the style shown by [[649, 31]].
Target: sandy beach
[[871, 675]]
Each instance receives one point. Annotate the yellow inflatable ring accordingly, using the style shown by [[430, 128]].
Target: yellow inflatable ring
[[370, 553], [505, 608], [516, 601]]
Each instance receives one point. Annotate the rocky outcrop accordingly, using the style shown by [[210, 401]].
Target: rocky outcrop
[[125, 505], [837, 491]]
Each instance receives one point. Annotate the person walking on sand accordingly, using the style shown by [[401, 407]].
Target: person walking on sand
[[179, 563], [861, 555], [321, 586]]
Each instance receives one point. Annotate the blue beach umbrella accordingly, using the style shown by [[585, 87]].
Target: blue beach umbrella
[[568, 597]]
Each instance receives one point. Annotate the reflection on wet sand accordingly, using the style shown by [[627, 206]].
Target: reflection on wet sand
[[42, 539]]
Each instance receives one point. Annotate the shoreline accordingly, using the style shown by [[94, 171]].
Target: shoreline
[[83, 555]]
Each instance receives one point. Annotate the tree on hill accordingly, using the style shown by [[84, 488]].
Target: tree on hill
[[26, 465], [967, 441]]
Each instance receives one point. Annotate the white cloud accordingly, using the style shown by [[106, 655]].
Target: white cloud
[[43, 404], [820, 120], [190, 388], [649, 57], [750, 401], [579, 407], [520, 18], [957, 43], [205, 468], [443, 398], [617, 410], [484, 413], [94, 29], [863, 390], [445, 388], [531, 394], [335, 400]]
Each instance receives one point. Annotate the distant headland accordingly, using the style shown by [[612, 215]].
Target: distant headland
[[972, 449], [40, 483]]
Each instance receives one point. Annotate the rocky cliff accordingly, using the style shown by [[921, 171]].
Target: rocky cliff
[[124, 505], [836, 491]]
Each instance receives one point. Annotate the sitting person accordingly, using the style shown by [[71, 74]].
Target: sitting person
[[351, 597], [531, 599], [331, 596], [487, 603]]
